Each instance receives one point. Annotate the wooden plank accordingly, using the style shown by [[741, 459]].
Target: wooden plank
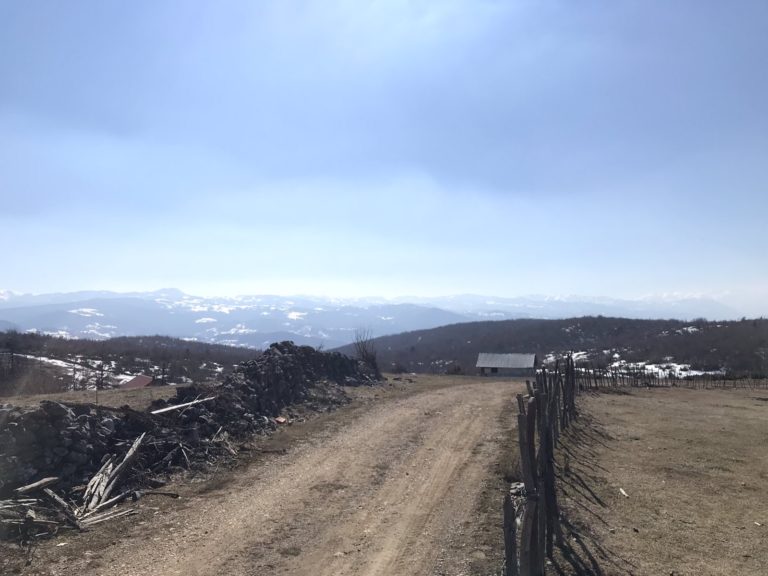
[[66, 509], [510, 537], [525, 459], [527, 536], [118, 472], [39, 485], [96, 485], [530, 434], [96, 519]]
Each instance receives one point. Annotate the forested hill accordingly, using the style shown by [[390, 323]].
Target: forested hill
[[41, 363], [737, 346]]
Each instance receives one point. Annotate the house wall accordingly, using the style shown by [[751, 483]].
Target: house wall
[[510, 372]]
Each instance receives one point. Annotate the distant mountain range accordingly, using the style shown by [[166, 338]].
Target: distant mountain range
[[256, 321]]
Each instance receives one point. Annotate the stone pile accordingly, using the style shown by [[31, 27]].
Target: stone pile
[[72, 442], [68, 441]]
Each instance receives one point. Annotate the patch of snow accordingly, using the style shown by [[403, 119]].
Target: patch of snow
[[239, 329], [206, 320], [51, 361], [293, 315], [223, 309], [86, 312], [666, 370], [688, 329], [59, 334]]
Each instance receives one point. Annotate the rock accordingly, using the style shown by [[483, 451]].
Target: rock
[[56, 410], [77, 458]]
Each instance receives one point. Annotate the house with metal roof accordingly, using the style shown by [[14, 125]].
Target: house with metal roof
[[507, 364]]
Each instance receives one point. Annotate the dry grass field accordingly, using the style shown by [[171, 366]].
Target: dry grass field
[[138, 399], [694, 467]]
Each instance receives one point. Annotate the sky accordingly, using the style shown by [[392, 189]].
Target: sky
[[359, 148]]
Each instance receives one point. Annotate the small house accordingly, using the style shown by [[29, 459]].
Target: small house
[[507, 364]]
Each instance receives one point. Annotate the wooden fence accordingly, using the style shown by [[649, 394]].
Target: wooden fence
[[589, 377], [547, 410], [531, 511]]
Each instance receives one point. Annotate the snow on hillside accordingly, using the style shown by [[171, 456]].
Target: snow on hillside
[[82, 370], [86, 312]]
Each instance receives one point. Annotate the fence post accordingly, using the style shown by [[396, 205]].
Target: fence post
[[510, 537]]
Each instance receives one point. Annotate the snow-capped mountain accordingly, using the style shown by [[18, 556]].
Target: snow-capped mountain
[[256, 321]]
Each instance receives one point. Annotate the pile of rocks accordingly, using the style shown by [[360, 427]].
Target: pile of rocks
[[68, 441], [72, 442], [258, 390]]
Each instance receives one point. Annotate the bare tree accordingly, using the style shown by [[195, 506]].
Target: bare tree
[[366, 350]]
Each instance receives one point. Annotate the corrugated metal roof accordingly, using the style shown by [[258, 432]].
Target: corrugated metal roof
[[486, 360]]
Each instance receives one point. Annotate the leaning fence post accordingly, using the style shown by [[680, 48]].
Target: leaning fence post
[[510, 537]]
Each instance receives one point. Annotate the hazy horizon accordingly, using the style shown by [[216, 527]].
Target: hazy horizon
[[351, 149], [710, 307]]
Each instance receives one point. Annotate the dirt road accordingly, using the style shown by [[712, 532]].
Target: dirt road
[[392, 488]]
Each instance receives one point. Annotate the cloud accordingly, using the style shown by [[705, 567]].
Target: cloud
[[423, 141]]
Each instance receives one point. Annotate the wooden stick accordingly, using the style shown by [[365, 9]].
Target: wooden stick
[[177, 406], [108, 503], [39, 485], [69, 513], [108, 516], [510, 537], [122, 467], [96, 486]]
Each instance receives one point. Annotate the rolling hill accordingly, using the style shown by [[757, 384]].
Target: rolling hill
[[735, 346]]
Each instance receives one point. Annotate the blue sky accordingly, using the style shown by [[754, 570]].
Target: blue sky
[[353, 148]]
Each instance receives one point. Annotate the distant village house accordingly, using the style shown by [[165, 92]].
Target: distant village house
[[507, 364]]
